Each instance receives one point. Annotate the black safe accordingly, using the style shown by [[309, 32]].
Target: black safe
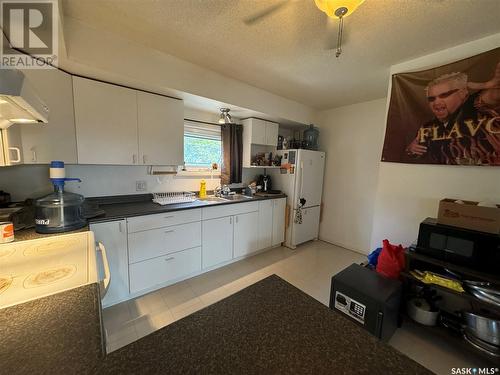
[[474, 249], [367, 298]]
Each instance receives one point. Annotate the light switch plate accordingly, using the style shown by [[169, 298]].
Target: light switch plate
[[141, 185]]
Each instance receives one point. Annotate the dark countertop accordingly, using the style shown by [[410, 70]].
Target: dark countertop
[[115, 210], [58, 334], [270, 327]]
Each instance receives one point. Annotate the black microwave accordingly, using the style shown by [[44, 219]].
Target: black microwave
[[474, 249]]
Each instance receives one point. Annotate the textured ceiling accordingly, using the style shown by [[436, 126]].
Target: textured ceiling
[[285, 53]]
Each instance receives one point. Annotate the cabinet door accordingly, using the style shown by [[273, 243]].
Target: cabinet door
[[265, 224], [258, 131], [217, 241], [106, 123], [246, 234], [56, 140], [161, 130], [12, 145], [278, 221], [113, 235], [272, 134]]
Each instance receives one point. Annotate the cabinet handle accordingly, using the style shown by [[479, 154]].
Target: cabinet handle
[[33, 154], [120, 226], [236, 218], [168, 217], [17, 159], [134, 158], [144, 159], [230, 219], [169, 258], [170, 231]]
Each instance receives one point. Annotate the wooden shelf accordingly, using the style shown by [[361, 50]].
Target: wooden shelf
[[264, 166]]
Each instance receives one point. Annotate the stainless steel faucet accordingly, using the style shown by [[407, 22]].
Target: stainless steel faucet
[[222, 190]]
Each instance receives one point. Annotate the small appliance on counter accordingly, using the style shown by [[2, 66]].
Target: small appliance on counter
[[367, 298], [59, 211], [265, 183]]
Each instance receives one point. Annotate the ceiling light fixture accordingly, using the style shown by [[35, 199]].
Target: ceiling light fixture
[[339, 9], [225, 117]]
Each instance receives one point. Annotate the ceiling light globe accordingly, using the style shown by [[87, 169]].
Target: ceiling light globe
[[330, 6]]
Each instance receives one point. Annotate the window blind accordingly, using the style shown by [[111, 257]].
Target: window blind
[[201, 130]]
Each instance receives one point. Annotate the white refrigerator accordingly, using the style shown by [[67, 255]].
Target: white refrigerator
[[302, 181]]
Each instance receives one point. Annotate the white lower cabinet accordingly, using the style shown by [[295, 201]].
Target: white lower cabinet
[[278, 227], [113, 235], [266, 223], [246, 234], [148, 252], [156, 242], [217, 241], [158, 271]]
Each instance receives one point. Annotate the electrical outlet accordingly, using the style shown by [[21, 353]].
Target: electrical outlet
[[141, 186]]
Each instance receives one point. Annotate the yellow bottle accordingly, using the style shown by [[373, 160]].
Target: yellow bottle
[[203, 189]]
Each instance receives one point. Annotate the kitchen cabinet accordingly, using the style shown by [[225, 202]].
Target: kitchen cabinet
[[158, 271], [217, 241], [246, 234], [259, 136], [266, 223], [261, 132], [161, 129], [156, 242], [11, 142], [106, 123], [278, 226], [113, 235], [56, 140]]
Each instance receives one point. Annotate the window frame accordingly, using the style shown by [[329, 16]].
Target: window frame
[[192, 170]]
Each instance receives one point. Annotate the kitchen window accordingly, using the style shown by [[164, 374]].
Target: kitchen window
[[202, 146]]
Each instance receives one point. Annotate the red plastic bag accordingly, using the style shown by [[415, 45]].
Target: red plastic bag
[[391, 260]]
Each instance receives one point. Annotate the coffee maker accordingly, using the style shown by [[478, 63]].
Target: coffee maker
[[265, 182]]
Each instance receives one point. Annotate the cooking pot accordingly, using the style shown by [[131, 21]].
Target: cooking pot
[[486, 328]]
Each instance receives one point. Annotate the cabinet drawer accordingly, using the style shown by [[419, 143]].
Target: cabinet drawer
[[146, 222], [154, 243], [147, 274], [229, 209]]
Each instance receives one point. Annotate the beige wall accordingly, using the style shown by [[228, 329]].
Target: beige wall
[[352, 138]]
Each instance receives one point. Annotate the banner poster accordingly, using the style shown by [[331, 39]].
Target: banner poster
[[446, 115]]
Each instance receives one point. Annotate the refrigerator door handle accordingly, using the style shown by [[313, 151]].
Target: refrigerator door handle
[[301, 179]]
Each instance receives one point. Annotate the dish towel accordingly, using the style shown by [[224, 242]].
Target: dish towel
[[298, 216]]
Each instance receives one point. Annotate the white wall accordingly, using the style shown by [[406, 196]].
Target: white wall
[[365, 200], [351, 137], [407, 194]]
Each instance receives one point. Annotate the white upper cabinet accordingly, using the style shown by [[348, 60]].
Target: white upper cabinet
[[106, 123], [161, 129], [272, 130], [55, 140], [261, 132]]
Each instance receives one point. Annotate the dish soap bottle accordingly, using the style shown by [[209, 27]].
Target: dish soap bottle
[[203, 189]]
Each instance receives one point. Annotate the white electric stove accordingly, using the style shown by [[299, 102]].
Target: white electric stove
[[41, 267]]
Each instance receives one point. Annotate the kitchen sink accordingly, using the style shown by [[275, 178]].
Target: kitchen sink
[[236, 197], [212, 199]]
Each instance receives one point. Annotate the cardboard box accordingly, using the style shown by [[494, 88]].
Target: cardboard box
[[469, 215]]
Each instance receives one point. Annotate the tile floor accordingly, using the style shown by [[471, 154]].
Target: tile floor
[[309, 267]]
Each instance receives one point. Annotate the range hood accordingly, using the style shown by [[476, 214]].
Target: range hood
[[19, 103]]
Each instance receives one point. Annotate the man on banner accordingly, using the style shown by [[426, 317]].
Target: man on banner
[[466, 126]]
